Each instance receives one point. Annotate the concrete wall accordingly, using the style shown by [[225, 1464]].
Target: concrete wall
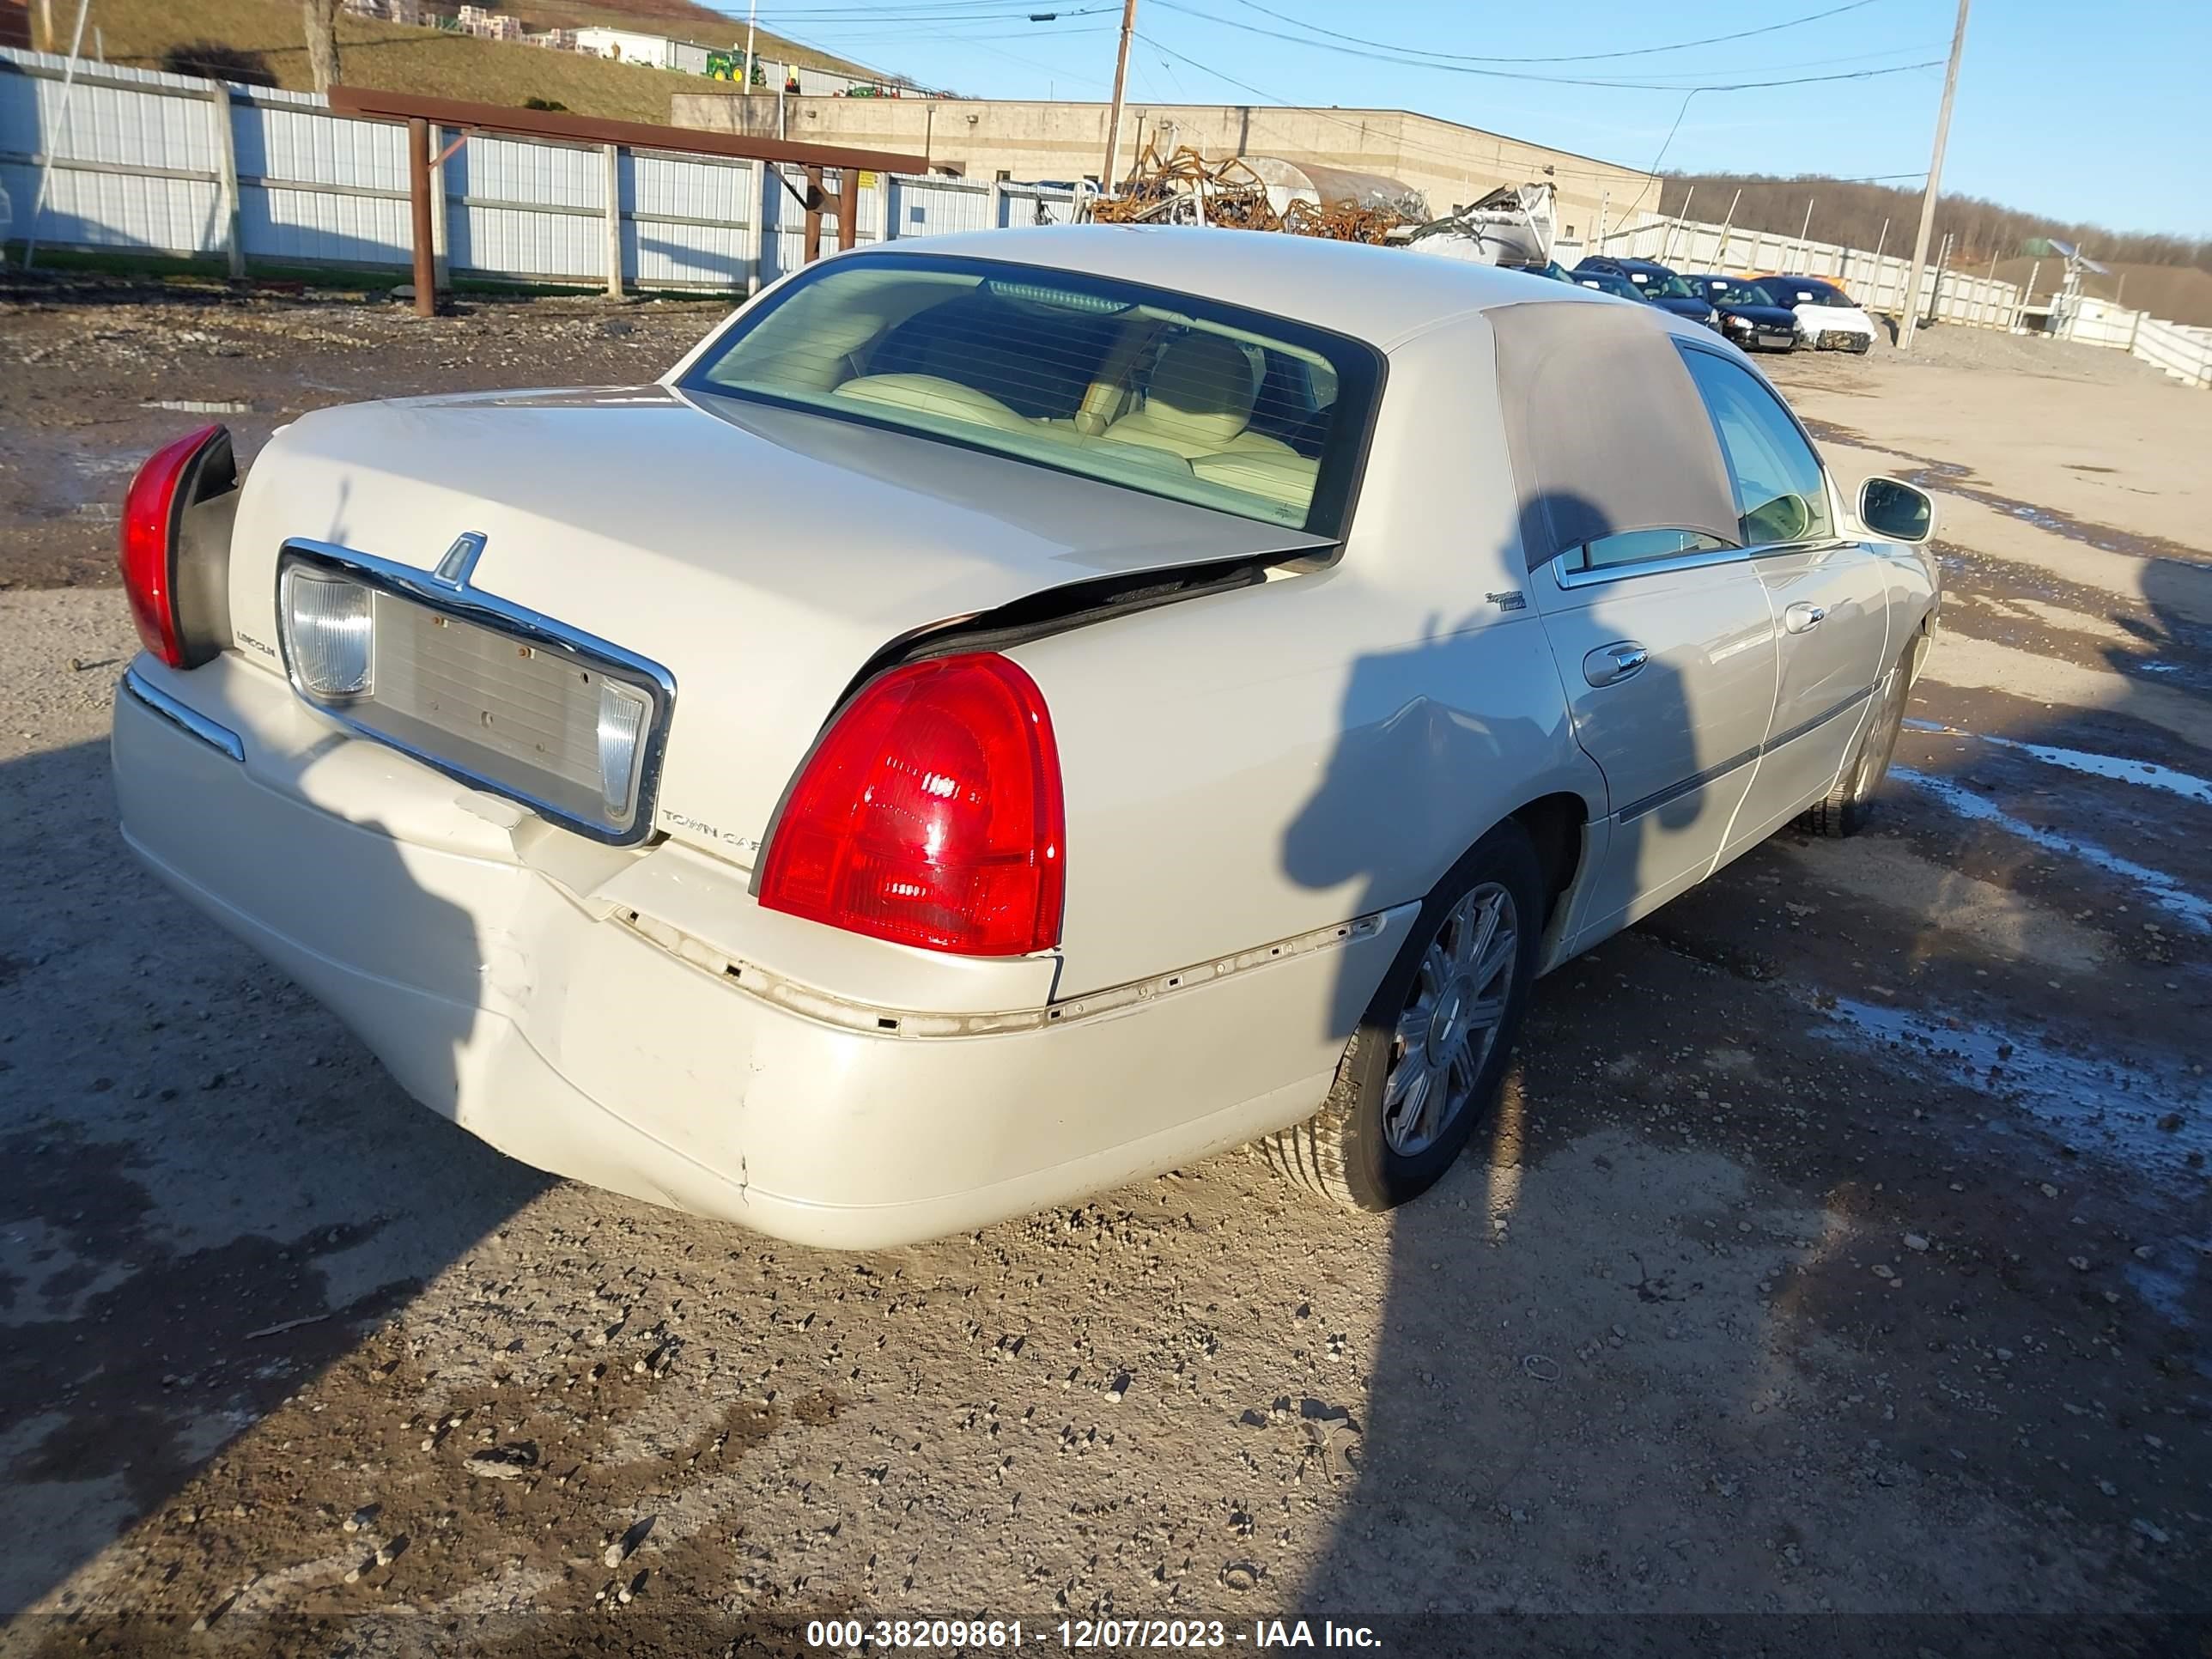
[[1450, 164]]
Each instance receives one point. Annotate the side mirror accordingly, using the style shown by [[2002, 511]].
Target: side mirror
[[1895, 511]]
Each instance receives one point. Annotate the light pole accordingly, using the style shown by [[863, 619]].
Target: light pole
[[1911, 317]]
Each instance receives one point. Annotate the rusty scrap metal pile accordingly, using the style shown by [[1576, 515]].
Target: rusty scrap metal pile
[[1186, 189]]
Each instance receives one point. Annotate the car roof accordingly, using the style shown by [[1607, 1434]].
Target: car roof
[[1378, 295]]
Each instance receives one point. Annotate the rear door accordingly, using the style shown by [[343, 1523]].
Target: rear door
[[1665, 645]]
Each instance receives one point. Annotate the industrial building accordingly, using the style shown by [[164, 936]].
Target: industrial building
[[1028, 142]]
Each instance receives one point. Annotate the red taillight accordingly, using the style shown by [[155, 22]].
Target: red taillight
[[930, 814], [151, 512]]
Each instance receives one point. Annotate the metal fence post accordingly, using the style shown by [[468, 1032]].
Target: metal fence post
[[418, 214], [756, 230], [441, 260], [614, 221], [226, 161], [997, 203]]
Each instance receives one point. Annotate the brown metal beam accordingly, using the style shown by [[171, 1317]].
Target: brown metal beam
[[418, 209], [590, 129]]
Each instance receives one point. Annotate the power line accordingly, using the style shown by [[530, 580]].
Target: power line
[[1545, 80], [1601, 172], [1562, 80], [1040, 35], [1572, 58], [1457, 157], [979, 7]]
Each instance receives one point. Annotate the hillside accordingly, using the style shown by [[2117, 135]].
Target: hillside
[[1853, 214], [373, 53], [681, 18]]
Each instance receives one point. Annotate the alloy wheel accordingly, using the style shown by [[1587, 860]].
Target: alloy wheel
[[1450, 1022]]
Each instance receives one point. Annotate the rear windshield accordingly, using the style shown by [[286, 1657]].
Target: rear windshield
[[1152, 390], [1743, 294], [1606, 283]]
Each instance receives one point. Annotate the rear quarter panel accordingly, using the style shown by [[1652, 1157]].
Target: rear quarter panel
[[1261, 763]]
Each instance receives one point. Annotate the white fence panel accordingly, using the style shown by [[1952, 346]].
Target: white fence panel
[[131, 169], [925, 206], [518, 208], [2100, 322], [315, 187], [1035, 204], [2184, 353], [686, 221]]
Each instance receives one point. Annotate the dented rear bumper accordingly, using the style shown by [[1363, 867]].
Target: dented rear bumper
[[630, 1020]]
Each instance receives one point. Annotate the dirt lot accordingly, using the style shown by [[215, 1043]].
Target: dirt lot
[[1841, 1248]]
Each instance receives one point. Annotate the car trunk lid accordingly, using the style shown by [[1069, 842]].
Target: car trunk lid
[[763, 556]]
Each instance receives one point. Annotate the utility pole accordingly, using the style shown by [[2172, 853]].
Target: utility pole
[[1804, 232], [1120, 84], [1911, 317], [751, 9]]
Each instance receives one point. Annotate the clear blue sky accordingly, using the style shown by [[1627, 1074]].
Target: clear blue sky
[[2082, 112]]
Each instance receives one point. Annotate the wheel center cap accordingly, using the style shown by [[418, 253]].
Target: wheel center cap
[[1445, 1026]]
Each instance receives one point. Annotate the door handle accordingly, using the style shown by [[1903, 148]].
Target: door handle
[[1802, 619], [1609, 665]]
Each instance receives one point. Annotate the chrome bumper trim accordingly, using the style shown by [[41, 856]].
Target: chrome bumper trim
[[190, 721], [842, 1012]]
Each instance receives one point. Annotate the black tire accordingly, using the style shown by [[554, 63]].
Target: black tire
[[1347, 1150], [1846, 810]]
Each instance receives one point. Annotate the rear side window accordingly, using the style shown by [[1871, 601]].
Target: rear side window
[[1640, 547], [1780, 494], [1131, 385]]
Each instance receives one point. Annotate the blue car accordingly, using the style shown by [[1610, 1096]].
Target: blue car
[[1655, 282]]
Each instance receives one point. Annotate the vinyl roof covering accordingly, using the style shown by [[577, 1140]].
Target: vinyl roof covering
[[1606, 427]]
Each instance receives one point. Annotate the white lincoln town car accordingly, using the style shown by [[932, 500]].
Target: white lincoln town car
[[1008, 714]]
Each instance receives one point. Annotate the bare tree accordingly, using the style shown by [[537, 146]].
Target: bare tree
[[322, 21]]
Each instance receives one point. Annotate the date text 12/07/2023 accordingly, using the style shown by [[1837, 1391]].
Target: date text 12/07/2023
[[1104, 1635]]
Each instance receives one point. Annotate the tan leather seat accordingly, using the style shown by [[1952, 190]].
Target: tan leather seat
[[1287, 479], [1199, 402]]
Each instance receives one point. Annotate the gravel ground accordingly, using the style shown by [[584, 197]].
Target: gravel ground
[[1835, 1267], [1949, 345]]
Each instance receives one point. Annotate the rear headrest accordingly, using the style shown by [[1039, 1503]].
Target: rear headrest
[[1203, 374]]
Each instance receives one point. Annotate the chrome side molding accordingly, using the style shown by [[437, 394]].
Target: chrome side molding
[[191, 721]]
